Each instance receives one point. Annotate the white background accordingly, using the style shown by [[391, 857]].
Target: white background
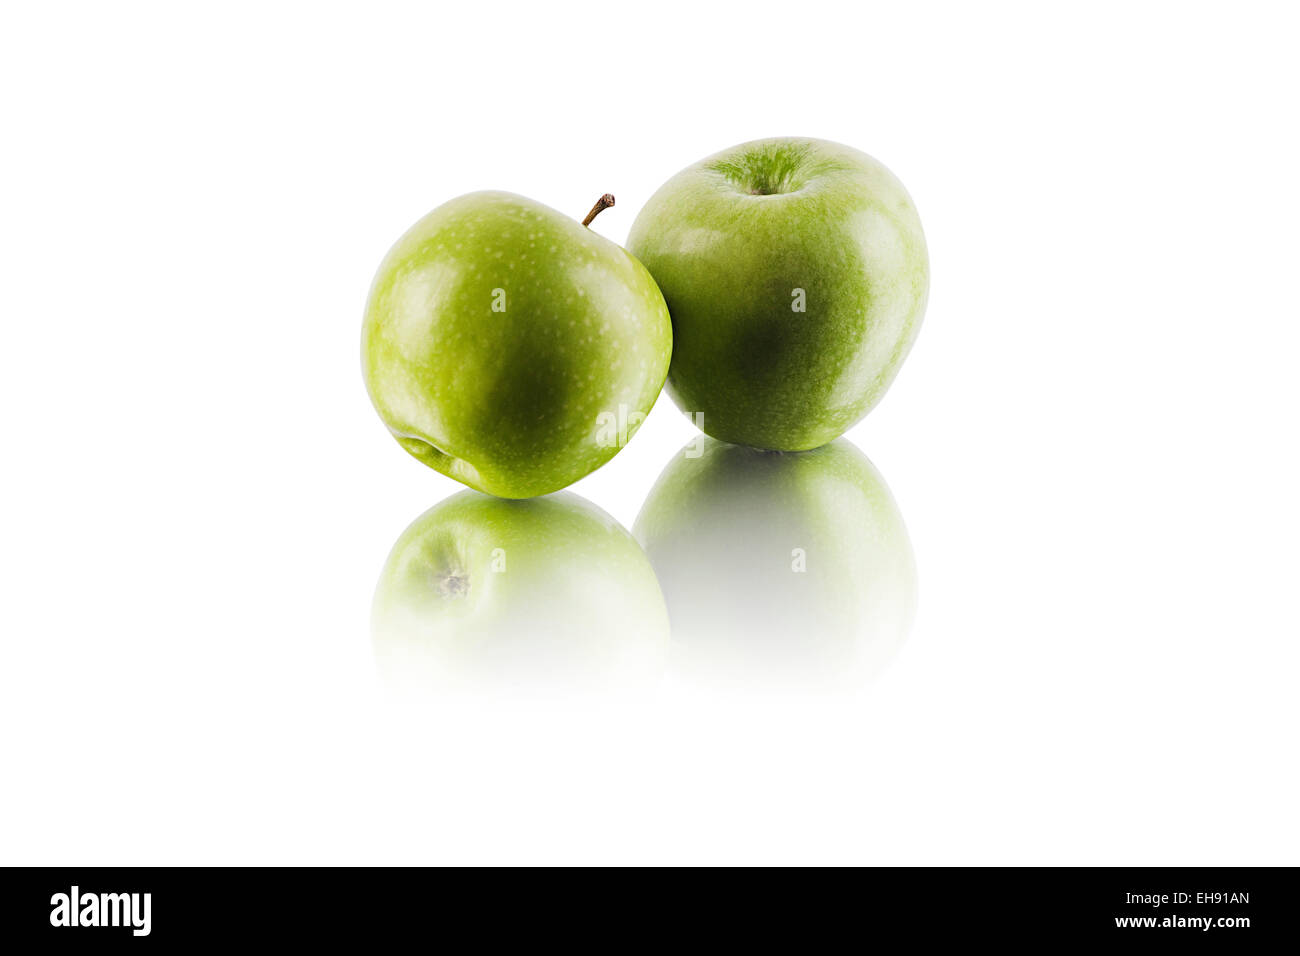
[[1093, 442]]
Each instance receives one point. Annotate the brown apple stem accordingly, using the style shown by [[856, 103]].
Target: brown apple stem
[[603, 203]]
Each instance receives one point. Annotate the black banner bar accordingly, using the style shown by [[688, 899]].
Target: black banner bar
[[141, 907]]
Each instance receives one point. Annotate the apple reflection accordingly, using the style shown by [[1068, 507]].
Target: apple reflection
[[542, 593], [787, 568]]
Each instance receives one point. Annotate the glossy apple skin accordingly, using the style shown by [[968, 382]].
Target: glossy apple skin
[[731, 238], [515, 403], [485, 592], [779, 567]]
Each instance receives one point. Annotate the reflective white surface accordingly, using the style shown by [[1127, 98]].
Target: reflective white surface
[[1092, 443]]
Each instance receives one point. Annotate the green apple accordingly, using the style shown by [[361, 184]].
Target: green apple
[[796, 274], [511, 347], [779, 565], [490, 592]]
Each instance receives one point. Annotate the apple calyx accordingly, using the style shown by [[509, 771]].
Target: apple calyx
[[603, 203]]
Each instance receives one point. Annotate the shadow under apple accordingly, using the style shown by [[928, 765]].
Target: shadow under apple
[[540, 594], [787, 568]]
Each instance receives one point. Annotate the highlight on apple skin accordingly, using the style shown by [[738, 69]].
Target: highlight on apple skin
[[487, 594], [510, 347], [796, 274]]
